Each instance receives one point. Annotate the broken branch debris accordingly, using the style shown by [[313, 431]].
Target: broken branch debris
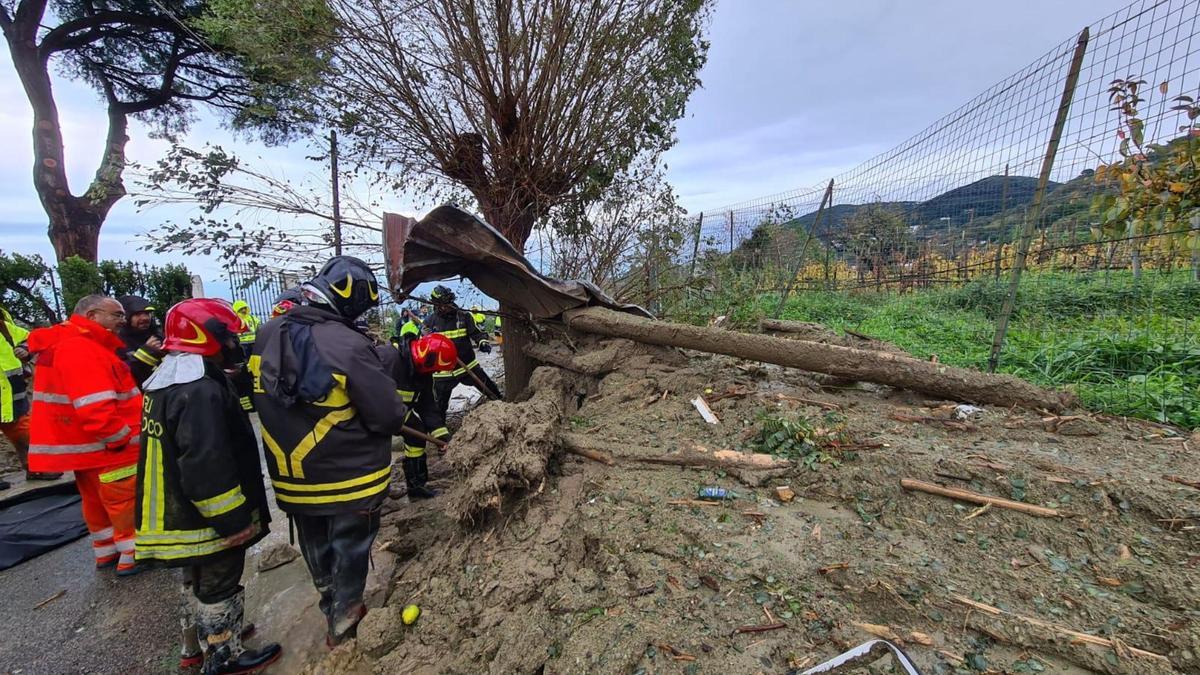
[[976, 498]]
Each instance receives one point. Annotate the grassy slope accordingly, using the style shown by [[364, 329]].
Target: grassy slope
[[1126, 348]]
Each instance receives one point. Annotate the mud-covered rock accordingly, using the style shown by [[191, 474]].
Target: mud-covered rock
[[277, 555], [379, 631]]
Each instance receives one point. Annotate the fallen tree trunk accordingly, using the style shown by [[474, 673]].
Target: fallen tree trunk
[[721, 459], [937, 379]]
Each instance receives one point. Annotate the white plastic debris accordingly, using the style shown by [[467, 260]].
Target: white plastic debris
[[705, 411], [968, 412]]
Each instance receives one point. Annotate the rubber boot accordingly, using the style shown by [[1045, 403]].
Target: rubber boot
[[219, 629], [422, 464], [412, 478]]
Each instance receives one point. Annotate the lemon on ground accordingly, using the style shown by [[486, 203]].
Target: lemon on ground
[[409, 614]]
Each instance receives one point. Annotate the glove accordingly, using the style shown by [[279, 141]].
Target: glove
[[485, 347]]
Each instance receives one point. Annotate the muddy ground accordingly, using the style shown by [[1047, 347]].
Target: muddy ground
[[616, 569]]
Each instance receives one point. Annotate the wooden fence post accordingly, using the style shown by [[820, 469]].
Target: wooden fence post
[[1060, 121]]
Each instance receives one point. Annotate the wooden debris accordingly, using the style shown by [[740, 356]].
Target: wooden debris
[[1076, 636], [816, 532], [877, 630], [920, 638], [592, 454], [699, 457], [836, 566], [674, 653], [978, 512], [785, 493], [1182, 481], [948, 423], [760, 629], [976, 498], [692, 502], [710, 582], [50, 599]]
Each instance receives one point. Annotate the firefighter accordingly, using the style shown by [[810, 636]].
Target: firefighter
[[329, 410], [413, 362], [86, 414], [14, 394], [241, 381], [200, 495], [143, 341], [460, 327], [409, 327], [479, 317]]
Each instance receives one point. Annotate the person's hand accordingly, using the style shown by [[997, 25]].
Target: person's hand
[[154, 342], [21, 352], [239, 538]]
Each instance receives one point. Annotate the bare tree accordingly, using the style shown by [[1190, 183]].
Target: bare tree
[[147, 60], [527, 104]]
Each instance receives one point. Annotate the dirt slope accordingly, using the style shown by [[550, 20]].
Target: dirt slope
[[593, 569]]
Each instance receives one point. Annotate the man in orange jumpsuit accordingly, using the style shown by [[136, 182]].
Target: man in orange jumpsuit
[[86, 417]]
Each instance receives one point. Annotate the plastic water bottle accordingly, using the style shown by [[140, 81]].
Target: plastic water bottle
[[712, 493]]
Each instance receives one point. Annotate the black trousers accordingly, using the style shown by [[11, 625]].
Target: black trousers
[[218, 578], [337, 550], [443, 387]]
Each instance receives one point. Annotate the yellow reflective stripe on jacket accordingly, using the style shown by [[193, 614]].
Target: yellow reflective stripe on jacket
[[329, 499], [118, 474], [338, 397], [456, 333], [276, 452], [145, 357], [439, 432], [406, 396], [313, 437], [247, 403], [414, 450], [153, 503], [175, 544], [376, 482], [222, 503], [329, 487]]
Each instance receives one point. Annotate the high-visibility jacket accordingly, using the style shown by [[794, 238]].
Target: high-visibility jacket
[[328, 411], [86, 408], [461, 328], [199, 474], [480, 319], [243, 311], [14, 401], [409, 327]]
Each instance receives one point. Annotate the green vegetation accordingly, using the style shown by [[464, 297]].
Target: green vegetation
[[811, 441], [1125, 347]]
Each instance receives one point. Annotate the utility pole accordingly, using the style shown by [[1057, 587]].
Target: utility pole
[[337, 205]]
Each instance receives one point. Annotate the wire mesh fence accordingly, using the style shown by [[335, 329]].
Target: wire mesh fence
[[259, 286], [950, 244]]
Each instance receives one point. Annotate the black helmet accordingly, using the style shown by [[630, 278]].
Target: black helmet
[[348, 285], [442, 295]]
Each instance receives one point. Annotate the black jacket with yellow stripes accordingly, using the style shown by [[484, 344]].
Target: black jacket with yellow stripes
[[415, 389], [463, 331], [199, 473], [329, 409]]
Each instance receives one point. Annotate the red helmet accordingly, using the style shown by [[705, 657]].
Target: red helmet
[[433, 353], [201, 326], [282, 307]]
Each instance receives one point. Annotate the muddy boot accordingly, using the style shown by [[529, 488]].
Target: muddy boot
[[412, 478], [422, 464], [219, 629]]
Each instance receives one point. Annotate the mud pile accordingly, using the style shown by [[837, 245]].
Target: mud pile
[[541, 561]]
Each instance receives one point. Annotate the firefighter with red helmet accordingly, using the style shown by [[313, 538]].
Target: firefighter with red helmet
[[200, 496], [413, 363], [329, 409]]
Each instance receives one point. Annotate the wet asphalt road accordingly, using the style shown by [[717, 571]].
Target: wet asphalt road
[[101, 625]]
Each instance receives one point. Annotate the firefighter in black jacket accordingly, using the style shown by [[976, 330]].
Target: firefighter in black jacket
[[329, 410], [414, 362], [143, 342], [460, 327], [200, 496]]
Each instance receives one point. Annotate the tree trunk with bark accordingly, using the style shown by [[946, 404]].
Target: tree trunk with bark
[[74, 221], [936, 379]]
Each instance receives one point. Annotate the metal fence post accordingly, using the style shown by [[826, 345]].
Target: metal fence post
[[1060, 121], [731, 230], [826, 199]]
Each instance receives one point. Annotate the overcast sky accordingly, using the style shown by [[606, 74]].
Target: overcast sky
[[794, 92]]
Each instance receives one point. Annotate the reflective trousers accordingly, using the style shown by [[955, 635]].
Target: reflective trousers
[[108, 509]]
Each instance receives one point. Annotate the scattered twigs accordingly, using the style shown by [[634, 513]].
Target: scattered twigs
[[1116, 645], [591, 453], [924, 419], [50, 599], [976, 498], [1182, 481], [760, 629]]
